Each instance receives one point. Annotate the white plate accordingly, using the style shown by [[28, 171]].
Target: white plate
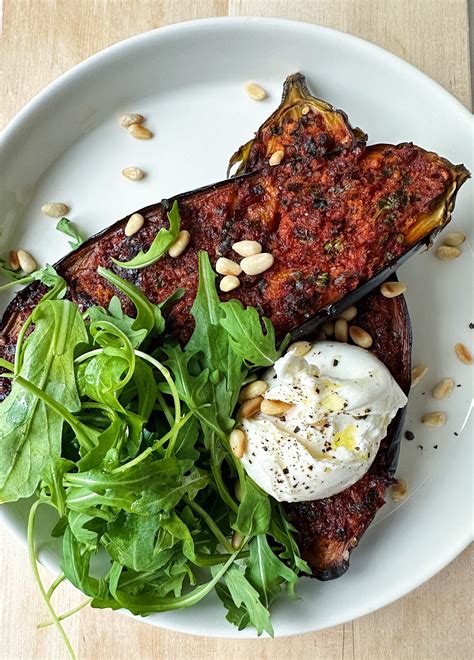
[[188, 80]]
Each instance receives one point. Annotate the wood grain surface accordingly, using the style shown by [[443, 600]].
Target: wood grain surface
[[43, 38]]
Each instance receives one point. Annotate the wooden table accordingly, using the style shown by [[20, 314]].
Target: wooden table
[[43, 38]]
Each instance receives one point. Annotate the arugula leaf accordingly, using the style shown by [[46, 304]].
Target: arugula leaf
[[266, 573], [115, 315], [254, 512], [113, 435], [147, 603], [101, 379], [148, 475], [246, 335], [77, 524], [9, 273], [52, 474], [133, 541], [65, 226], [242, 593], [149, 316], [207, 313], [46, 275], [106, 505], [146, 390], [150, 443], [175, 526], [283, 532], [75, 565], [238, 616], [195, 390], [161, 243], [211, 341], [30, 431], [188, 485], [186, 440], [161, 582]]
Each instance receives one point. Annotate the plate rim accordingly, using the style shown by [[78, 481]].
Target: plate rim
[[28, 111]]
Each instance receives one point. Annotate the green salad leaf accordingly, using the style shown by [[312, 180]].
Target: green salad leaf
[[242, 593], [46, 275], [30, 431], [244, 329], [149, 316], [161, 243], [65, 226], [266, 572], [254, 511], [125, 433], [237, 615]]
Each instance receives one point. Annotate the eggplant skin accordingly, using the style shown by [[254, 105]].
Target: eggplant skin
[[301, 126], [329, 529], [334, 226]]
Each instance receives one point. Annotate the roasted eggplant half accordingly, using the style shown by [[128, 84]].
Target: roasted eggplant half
[[336, 226], [329, 529], [302, 126]]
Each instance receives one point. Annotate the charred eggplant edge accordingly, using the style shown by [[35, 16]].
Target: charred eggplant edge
[[295, 95]]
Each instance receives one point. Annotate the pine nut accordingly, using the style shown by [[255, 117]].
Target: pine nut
[[27, 263], [299, 348], [133, 173], [305, 109], [341, 330], [434, 419], [238, 441], [132, 118], [55, 209], [447, 253], [247, 248], [13, 260], [399, 490], [250, 408], [392, 289], [443, 388], [229, 283], [274, 407], [180, 244], [255, 92], [140, 132], [417, 373], [277, 157], [227, 267], [454, 239], [463, 353], [237, 540], [328, 328], [134, 224], [360, 337], [349, 314], [258, 263], [250, 391]]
